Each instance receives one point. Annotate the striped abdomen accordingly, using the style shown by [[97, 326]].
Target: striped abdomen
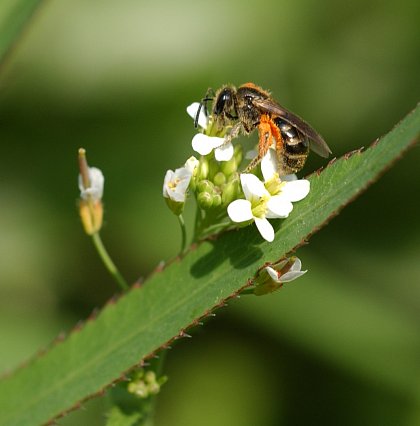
[[296, 148]]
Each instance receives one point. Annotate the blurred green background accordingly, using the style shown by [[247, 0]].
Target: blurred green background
[[340, 345]]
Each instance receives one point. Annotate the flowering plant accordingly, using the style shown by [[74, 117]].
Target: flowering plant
[[225, 196]]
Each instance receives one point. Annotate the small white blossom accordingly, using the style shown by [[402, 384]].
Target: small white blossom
[[257, 206], [96, 189], [176, 183], [293, 273], [269, 200], [271, 278], [205, 144]]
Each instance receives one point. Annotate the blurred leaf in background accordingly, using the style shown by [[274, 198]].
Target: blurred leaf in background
[[339, 346]]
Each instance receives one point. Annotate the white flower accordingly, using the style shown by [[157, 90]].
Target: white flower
[[204, 144], [176, 184], [258, 206], [269, 200], [293, 273], [271, 278], [96, 188]]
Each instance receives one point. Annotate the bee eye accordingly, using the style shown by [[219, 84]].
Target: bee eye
[[223, 100]]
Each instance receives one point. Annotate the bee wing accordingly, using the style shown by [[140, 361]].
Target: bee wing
[[317, 144]]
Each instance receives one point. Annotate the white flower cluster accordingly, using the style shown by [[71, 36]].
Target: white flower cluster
[[254, 201]]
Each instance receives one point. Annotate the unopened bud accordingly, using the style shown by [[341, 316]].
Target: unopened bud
[[205, 186], [213, 168], [219, 179], [217, 200], [229, 167], [203, 168], [91, 185], [230, 191], [205, 200]]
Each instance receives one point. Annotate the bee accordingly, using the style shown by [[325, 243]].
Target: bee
[[249, 107]]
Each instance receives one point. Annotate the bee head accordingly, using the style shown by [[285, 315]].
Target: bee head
[[225, 100]]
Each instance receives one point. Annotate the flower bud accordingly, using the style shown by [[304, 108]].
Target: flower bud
[[213, 168], [219, 179], [203, 168], [217, 200], [143, 384], [91, 185], [230, 190], [205, 200], [205, 186], [229, 167]]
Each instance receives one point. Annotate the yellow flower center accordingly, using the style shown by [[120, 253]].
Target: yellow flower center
[[173, 184], [274, 185], [259, 208]]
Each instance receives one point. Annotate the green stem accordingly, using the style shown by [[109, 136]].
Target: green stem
[[197, 223], [183, 234], [109, 264]]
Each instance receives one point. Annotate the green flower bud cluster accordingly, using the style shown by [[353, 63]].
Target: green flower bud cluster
[[145, 383], [216, 184]]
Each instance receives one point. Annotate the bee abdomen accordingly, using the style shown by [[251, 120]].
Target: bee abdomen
[[295, 148]]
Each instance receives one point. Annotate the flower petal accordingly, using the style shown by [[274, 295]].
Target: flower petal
[[191, 164], [192, 112], [296, 190], [297, 265], [224, 152], [289, 178], [274, 275], [96, 188], [252, 186], [168, 178], [204, 144], [265, 228], [291, 275], [269, 164], [278, 207], [240, 210]]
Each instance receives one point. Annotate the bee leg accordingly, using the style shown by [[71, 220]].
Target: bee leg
[[280, 154], [266, 131], [234, 133]]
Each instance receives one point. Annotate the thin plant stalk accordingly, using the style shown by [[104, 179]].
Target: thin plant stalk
[[109, 264]]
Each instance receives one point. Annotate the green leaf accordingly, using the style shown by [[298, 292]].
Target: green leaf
[[147, 318], [14, 16]]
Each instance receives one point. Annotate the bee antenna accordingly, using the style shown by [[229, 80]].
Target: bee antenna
[[198, 114], [203, 104]]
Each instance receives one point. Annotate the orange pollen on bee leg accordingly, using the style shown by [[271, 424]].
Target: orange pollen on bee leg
[[267, 130]]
